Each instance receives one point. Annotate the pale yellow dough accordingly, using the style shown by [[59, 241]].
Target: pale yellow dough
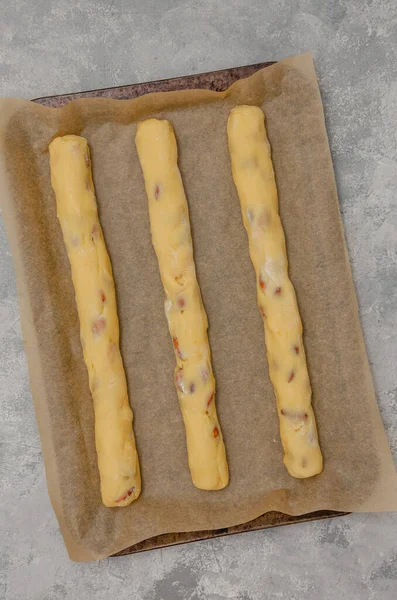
[[187, 320], [99, 327], [254, 179]]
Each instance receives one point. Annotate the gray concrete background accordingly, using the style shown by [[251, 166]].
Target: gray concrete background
[[62, 46]]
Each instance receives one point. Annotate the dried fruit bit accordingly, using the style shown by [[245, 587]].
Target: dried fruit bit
[[128, 493], [95, 232], [262, 283], [157, 192], [181, 302], [98, 325], [176, 346], [264, 219], [262, 311], [291, 376], [216, 432], [112, 351], [296, 348], [210, 399], [192, 387], [277, 291], [102, 296], [179, 379], [167, 306], [311, 438]]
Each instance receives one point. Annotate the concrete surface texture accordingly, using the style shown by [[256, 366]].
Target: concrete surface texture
[[49, 47]]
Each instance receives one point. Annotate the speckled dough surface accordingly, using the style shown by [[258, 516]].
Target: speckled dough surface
[[355, 54], [187, 319], [256, 186], [99, 327]]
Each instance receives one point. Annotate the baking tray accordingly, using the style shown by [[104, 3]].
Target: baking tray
[[216, 81]]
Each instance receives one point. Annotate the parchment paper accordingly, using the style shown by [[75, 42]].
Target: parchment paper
[[358, 473]]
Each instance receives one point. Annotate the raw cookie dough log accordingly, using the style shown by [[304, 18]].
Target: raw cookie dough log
[[99, 327], [187, 320], [254, 179]]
